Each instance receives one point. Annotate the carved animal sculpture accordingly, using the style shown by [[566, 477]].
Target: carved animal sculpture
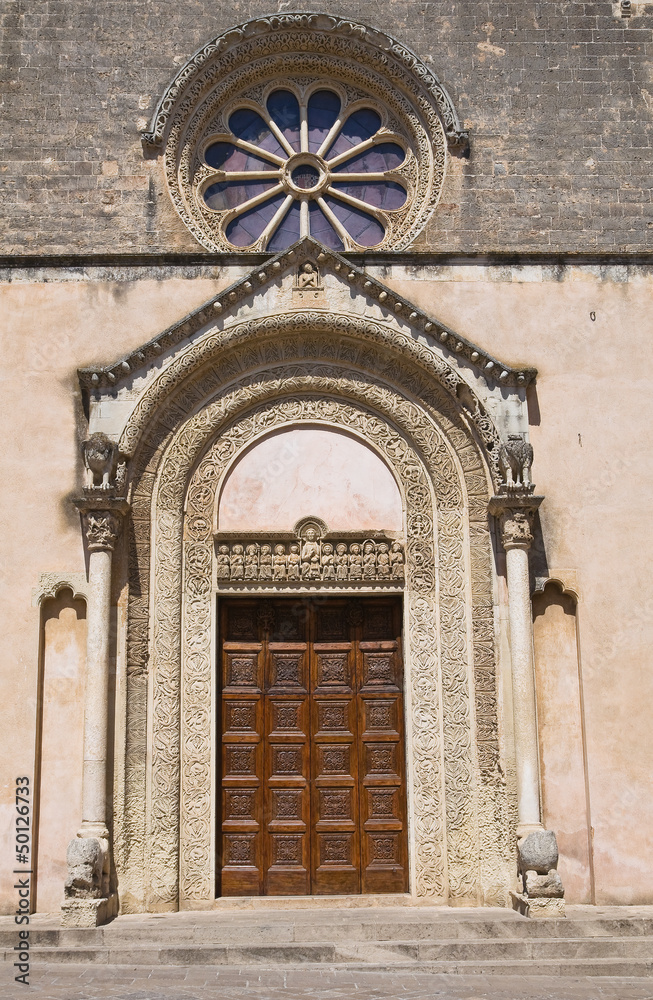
[[515, 460], [101, 461]]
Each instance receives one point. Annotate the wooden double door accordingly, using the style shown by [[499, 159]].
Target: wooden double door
[[312, 771]]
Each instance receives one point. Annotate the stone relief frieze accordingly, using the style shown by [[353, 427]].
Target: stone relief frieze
[[310, 556]]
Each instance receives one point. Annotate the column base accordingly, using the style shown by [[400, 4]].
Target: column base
[[537, 907], [89, 912]]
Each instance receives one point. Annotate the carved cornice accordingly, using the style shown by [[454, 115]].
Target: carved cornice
[[515, 513], [97, 378], [221, 55], [101, 520]]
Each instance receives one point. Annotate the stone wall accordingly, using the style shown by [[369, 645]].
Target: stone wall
[[557, 98]]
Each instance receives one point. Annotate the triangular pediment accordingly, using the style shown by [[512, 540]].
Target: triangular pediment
[[284, 284]]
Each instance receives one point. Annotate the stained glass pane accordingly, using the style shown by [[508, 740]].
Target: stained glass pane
[[249, 126], [363, 228], [283, 109], [246, 228], [321, 228], [380, 194], [231, 194], [361, 125], [323, 109], [382, 157], [224, 156], [287, 232]]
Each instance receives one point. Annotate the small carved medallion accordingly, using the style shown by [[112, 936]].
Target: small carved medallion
[[334, 850], [243, 668], [333, 715], [379, 668], [239, 760], [383, 848], [335, 805], [379, 715], [287, 760], [287, 805], [286, 715], [287, 850], [333, 668], [381, 803], [239, 850], [335, 760]]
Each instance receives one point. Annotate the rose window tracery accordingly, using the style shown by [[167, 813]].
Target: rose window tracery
[[298, 164], [304, 124]]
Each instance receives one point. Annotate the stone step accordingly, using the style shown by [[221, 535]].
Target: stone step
[[317, 956], [155, 952], [210, 929]]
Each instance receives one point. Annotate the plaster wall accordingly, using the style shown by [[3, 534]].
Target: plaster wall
[[309, 470], [587, 332], [560, 731]]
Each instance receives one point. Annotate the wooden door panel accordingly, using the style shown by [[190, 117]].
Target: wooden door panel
[[240, 752], [383, 814], [336, 843], [287, 768]]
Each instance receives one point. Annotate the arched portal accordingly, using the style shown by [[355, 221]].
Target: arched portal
[[458, 810]]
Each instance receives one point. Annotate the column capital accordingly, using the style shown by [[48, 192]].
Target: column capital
[[515, 513], [101, 520]]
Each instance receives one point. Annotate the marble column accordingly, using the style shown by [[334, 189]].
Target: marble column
[[516, 538], [541, 886], [89, 900]]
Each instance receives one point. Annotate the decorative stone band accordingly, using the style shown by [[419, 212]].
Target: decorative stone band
[[308, 558], [101, 520], [515, 512]]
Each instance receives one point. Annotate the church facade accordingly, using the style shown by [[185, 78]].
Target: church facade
[[326, 403]]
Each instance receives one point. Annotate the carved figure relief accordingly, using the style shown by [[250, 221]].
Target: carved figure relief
[[515, 460], [310, 561], [101, 461]]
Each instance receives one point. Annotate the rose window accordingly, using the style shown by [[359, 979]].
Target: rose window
[[293, 164]]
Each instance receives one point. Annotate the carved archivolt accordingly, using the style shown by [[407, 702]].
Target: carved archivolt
[[360, 343], [306, 51], [458, 799]]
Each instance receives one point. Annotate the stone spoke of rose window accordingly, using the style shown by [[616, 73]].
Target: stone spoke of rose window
[[295, 167]]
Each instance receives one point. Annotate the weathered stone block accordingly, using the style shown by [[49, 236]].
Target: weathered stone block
[[538, 852], [544, 886]]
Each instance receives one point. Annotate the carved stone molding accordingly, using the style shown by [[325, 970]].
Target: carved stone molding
[[368, 44], [217, 312], [191, 703], [360, 344]]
